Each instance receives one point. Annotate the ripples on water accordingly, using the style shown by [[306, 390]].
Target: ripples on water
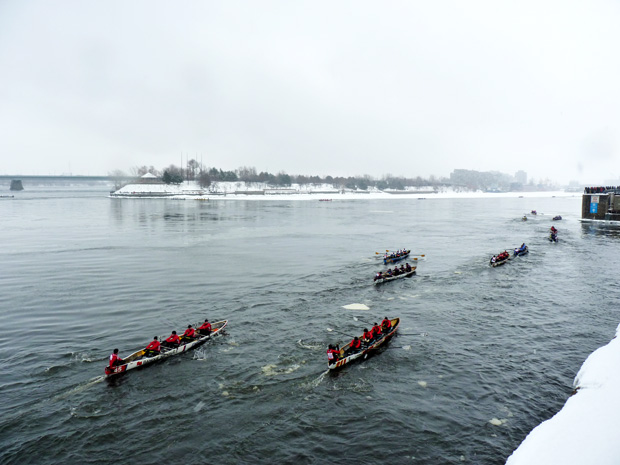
[[482, 357]]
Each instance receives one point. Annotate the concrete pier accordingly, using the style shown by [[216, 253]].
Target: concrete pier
[[601, 203]]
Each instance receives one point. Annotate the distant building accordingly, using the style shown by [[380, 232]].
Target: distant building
[[521, 177], [148, 178]]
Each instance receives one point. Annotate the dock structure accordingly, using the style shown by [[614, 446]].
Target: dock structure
[[601, 203]]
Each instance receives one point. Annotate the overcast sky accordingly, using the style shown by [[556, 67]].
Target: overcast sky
[[411, 88]]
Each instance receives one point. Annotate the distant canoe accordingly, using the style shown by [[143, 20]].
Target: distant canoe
[[396, 257], [385, 279]]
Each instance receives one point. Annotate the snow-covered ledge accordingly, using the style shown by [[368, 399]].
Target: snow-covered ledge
[[586, 430]]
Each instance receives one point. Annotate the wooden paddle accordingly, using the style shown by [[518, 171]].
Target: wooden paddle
[[340, 332]]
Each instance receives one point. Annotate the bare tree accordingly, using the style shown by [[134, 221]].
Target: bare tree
[[119, 177]]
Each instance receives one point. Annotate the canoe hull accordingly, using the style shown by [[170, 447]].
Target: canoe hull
[[368, 350], [137, 359], [409, 274], [518, 252], [396, 259]]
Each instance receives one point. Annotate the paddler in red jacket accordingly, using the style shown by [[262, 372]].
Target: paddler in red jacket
[[115, 359], [189, 334], [368, 336], [332, 354], [386, 324], [205, 328], [376, 330], [154, 348], [355, 344], [173, 340]]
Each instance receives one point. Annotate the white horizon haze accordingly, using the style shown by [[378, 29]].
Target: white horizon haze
[[315, 88]]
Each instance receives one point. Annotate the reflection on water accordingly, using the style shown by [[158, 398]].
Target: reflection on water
[[601, 228]]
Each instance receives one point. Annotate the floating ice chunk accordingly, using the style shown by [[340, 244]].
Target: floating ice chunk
[[423, 383], [356, 307]]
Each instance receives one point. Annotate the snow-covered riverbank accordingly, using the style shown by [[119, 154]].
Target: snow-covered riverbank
[[585, 430], [261, 191]]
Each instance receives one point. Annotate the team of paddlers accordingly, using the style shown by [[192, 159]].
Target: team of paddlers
[[553, 236], [502, 256], [335, 353], [404, 269], [397, 254], [172, 342], [520, 250]]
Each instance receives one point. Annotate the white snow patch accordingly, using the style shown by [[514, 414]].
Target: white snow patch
[[423, 383]]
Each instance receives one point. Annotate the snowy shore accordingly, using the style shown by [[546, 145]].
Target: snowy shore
[[585, 430], [259, 191]]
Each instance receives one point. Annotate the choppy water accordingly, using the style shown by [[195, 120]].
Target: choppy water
[[482, 357]]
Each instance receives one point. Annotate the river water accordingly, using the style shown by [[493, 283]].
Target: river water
[[483, 355]]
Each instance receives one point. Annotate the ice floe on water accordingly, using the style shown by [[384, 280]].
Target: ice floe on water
[[497, 422], [423, 383], [356, 307]]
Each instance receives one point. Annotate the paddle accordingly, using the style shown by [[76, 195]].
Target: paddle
[[381, 253], [340, 332], [365, 322]]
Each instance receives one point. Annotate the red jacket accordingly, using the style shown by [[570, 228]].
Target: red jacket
[[386, 323], [154, 345], [189, 332], [376, 330], [173, 338], [206, 326], [355, 344], [113, 359], [368, 335]]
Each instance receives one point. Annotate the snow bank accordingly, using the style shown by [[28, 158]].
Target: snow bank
[[585, 431], [262, 191]]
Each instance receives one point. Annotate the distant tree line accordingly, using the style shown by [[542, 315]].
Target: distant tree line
[[195, 171]]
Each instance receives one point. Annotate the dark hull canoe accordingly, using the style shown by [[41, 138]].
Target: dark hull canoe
[[365, 351], [518, 252], [408, 274], [396, 259]]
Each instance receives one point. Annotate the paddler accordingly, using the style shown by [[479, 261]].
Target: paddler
[[332, 354], [189, 334], [367, 336], [386, 324], [154, 348], [355, 344], [205, 328], [376, 330], [115, 359], [173, 340]]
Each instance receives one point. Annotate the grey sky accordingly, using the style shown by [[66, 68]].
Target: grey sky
[[312, 87]]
